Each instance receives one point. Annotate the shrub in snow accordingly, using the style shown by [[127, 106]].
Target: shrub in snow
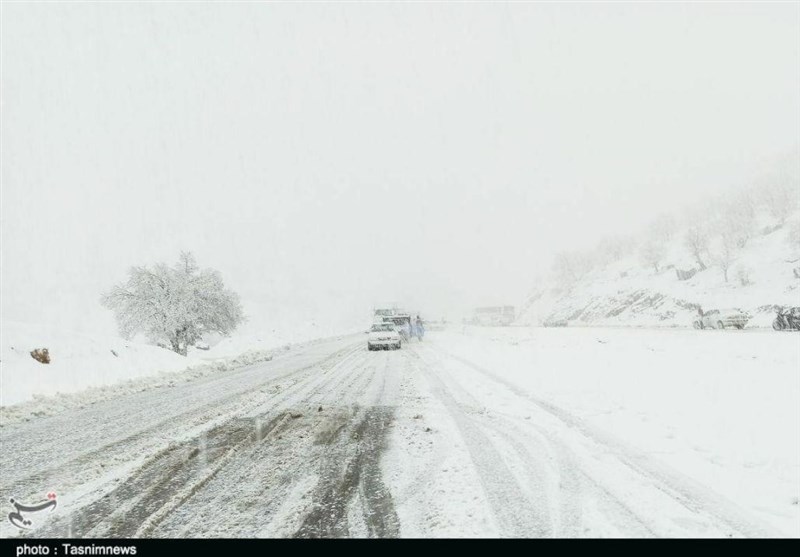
[[174, 305], [41, 355]]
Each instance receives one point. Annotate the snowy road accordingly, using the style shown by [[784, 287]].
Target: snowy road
[[333, 440]]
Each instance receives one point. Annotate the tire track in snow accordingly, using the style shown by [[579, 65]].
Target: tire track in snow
[[690, 494], [235, 478], [35, 444], [550, 467], [350, 470], [517, 514], [575, 485]]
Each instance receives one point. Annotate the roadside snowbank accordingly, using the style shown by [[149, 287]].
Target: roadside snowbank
[[77, 362], [87, 368]]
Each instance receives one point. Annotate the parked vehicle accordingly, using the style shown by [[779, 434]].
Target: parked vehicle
[[402, 322], [384, 336], [494, 316], [722, 319], [787, 319]]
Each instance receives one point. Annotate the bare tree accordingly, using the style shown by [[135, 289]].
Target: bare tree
[[696, 240], [570, 266], [175, 304], [724, 253], [737, 220], [652, 253], [613, 248], [780, 198], [662, 228]]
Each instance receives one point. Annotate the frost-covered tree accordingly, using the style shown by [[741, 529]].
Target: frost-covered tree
[[737, 220], [696, 240], [724, 253], [176, 305], [662, 228], [571, 266], [652, 253], [780, 199], [613, 248]]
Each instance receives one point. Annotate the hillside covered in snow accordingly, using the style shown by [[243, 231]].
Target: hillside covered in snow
[[742, 251]]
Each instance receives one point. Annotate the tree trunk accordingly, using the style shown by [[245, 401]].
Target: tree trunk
[[178, 344], [700, 262]]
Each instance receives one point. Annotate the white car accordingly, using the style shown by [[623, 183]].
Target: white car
[[722, 319], [384, 335]]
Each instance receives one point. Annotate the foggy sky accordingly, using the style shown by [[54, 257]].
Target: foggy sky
[[325, 157]]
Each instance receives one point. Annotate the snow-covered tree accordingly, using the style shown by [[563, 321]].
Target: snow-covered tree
[[662, 228], [724, 253], [176, 305], [652, 253], [737, 220], [571, 266], [696, 240], [780, 198]]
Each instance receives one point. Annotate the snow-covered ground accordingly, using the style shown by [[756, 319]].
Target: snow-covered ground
[[529, 432], [86, 367], [77, 362], [721, 408]]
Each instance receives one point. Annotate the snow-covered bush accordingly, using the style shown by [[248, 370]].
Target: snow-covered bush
[[174, 305]]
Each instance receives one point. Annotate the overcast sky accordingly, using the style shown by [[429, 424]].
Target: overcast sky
[[325, 157]]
